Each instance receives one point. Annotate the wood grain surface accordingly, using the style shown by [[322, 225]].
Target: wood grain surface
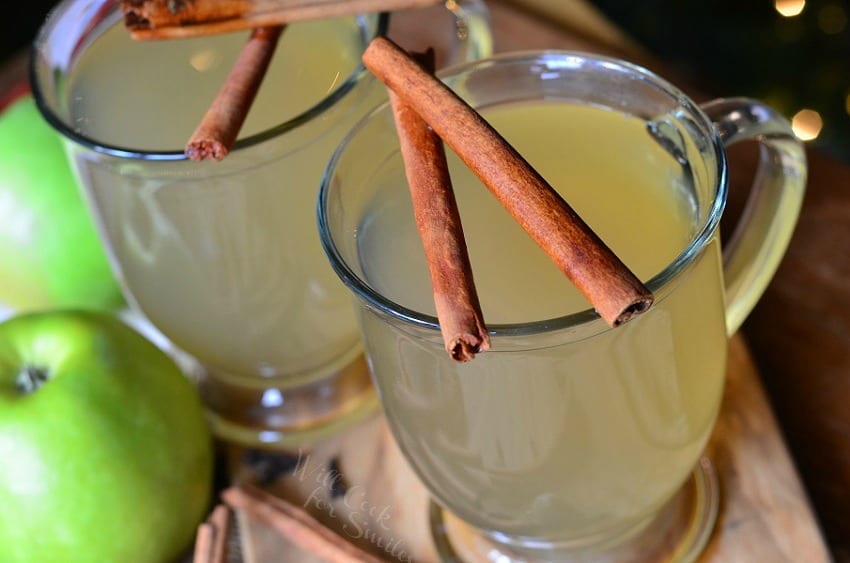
[[800, 335]]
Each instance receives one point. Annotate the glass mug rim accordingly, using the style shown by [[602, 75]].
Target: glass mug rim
[[587, 317], [354, 78]]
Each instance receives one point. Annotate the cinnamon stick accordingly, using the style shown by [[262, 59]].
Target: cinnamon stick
[[218, 130], [438, 221], [615, 292], [171, 19], [220, 521], [211, 537], [204, 544], [296, 525]]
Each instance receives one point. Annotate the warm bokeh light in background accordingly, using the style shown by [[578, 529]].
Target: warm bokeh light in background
[[793, 54], [790, 8], [807, 124]]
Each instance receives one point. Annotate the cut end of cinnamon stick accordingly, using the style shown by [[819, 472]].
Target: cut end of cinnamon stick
[[464, 348], [640, 306], [202, 149]]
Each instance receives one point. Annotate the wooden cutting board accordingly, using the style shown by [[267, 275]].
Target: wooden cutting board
[[764, 515]]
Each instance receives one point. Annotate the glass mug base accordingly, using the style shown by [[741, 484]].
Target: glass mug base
[[268, 416], [678, 533]]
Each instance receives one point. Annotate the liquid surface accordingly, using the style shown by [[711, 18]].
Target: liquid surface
[[153, 94]]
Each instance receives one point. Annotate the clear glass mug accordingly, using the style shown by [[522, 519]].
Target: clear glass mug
[[568, 440], [224, 258]]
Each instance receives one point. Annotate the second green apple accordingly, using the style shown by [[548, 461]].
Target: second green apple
[[50, 255]]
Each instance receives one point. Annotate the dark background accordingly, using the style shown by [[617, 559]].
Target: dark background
[[21, 23], [750, 49]]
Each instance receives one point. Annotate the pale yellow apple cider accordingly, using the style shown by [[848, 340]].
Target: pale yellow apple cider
[[224, 258], [151, 95], [537, 437]]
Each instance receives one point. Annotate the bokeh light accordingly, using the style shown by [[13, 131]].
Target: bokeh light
[[790, 8], [807, 124]]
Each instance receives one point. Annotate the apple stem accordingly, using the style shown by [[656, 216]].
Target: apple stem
[[30, 379]]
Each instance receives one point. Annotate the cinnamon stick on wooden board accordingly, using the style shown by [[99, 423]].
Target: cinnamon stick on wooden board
[[438, 221], [212, 537], [615, 292], [220, 127], [204, 540], [171, 19], [296, 525], [220, 520]]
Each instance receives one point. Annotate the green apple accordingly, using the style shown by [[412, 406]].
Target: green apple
[[50, 255], [105, 453]]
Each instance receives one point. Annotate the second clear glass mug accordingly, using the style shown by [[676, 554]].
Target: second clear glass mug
[[224, 258], [567, 439]]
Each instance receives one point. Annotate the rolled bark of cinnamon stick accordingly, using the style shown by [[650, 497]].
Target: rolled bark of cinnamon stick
[[204, 540], [439, 224], [615, 292], [296, 525], [171, 19], [220, 521], [220, 126]]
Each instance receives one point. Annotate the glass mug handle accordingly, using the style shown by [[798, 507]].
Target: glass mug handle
[[475, 40], [753, 252]]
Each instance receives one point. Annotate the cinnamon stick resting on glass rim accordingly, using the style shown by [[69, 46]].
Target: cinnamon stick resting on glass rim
[[221, 124], [615, 292], [438, 221], [171, 19]]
